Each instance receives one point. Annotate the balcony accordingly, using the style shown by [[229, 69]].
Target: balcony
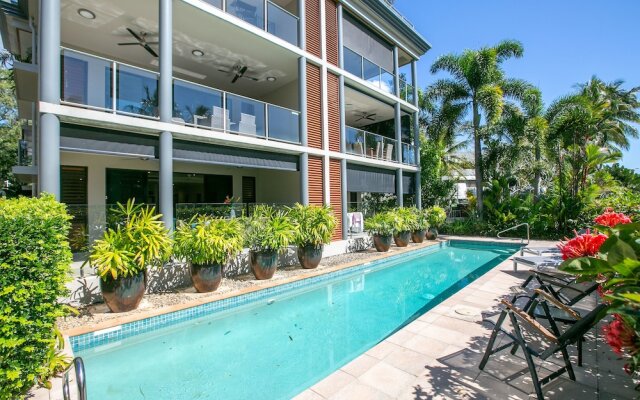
[[371, 145], [369, 71], [264, 14], [90, 82], [406, 91]]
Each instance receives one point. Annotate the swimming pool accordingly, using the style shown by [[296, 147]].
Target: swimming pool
[[275, 343]]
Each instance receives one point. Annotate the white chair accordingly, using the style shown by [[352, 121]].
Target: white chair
[[358, 148], [217, 119], [247, 124], [389, 152]]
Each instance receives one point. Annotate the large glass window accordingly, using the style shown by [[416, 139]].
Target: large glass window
[[251, 11], [197, 105], [352, 62], [284, 124], [281, 23], [137, 91]]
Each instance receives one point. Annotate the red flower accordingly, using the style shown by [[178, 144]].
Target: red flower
[[586, 245], [620, 336], [610, 218]]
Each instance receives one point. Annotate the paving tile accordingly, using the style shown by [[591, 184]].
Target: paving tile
[[409, 361], [360, 365], [386, 378], [427, 346], [357, 390], [401, 337], [308, 395], [332, 383], [382, 349], [417, 325], [449, 336]]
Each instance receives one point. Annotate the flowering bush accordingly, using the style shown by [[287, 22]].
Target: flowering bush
[[585, 245], [614, 261], [610, 218]]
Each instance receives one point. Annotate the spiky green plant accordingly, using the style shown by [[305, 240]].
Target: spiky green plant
[[404, 219], [314, 224], [208, 240], [269, 230], [380, 224]]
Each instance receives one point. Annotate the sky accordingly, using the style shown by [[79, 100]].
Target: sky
[[565, 41]]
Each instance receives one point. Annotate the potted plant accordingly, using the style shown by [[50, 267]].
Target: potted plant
[[420, 227], [138, 241], [314, 227], [404, 221], [380, 227], [267, 233], [207, 244], [436, 217]]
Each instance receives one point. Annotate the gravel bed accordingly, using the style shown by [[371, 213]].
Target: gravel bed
[[97, 313]]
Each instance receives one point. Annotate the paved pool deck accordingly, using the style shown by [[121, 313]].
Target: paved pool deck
[[437, 356]]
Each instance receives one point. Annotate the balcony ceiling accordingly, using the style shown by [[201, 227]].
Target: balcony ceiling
[[357, 104], [224, 45]]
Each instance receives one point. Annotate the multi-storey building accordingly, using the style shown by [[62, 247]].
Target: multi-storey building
[[181, 102]]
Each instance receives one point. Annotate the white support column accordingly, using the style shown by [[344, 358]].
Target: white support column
[[165, 105]]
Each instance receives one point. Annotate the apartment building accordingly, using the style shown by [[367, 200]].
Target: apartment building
[[194, 102]]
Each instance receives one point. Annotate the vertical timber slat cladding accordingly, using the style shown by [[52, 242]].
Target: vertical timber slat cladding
[[314, 107], [333, 97], [316, 191], [335, 194], [312, 14], [331, 22]]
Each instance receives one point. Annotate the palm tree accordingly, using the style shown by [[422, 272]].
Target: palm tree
[[478, 84]]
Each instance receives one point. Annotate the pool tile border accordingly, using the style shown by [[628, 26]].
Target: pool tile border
[[117, 333]]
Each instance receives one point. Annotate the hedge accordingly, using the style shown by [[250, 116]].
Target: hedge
[[34, 266]]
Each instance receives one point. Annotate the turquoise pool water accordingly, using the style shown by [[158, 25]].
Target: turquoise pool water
[[277, 347]]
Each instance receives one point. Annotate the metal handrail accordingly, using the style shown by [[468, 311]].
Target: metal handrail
[[516, 227], [81, 383]]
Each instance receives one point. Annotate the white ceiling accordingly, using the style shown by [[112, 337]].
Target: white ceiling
[[358, 104], [224, 44]]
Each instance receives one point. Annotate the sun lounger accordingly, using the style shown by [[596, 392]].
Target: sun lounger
[[538, 251], [537, 262]]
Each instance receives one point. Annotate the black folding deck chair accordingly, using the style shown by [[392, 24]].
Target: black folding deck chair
[[562, 286], [552, 341]]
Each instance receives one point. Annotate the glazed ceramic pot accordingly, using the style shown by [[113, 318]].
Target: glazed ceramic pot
[[206, 277], [418, 236], [263, 263], [310, 256], [402, 238], [124, 293], [382, 243], [432, 234]]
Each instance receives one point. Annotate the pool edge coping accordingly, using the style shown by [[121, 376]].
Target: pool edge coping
[[118, 321]]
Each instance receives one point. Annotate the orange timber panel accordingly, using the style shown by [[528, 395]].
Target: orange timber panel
[[333, 97], [331, 21], [335, 194], [314, 107], [316, 191], [312, 14]]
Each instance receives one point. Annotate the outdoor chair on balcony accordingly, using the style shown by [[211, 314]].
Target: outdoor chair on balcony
[[388, 155], [247, 124], [358, 149], [220, 118], [536, 340]]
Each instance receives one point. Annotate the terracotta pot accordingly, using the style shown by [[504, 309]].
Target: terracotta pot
[[123, 294], [432, 234], [382, 243], [206, 277], [309, 256], [418, 236], [402, 238], [263, 263]]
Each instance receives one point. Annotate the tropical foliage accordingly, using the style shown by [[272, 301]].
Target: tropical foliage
[[381, 224], [34, 267], [208, 240], [139, 241], [436, 216], [404, 219], [269, 229], [314, 224]]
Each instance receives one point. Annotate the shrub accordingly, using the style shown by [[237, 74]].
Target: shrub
[[380, 224], [436, 216], [139, 241], [422, 220], [34, 266], [314, 224], [207, 240], [404, 219], [268, 230]]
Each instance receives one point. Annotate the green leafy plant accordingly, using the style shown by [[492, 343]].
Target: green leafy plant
[[436, 216], [268, 230], [381, 224], [422, 220], [138, 241], [208, 240], [404, 219], [34, 267], [314, 224], [617, 267]]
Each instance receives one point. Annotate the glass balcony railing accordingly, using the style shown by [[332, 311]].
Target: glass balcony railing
[[406, 91], [368, 70], [370, 145], [279, 22], [88, 81], [408, 154]]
